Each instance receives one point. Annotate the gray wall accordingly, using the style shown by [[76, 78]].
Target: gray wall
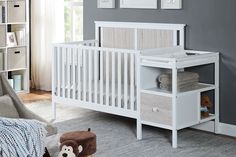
[[211, 27]]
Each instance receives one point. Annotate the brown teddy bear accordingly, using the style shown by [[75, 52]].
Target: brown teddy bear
[[206, 105], [70, 148]]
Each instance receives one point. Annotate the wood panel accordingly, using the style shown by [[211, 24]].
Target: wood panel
[[118, 38], [150, 38]]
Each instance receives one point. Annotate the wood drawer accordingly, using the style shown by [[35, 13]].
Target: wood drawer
[[156, 109]]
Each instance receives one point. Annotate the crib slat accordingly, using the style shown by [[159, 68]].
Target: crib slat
[[119, 80], [63, 71], [132, 82], [74, 73], [101, 77], [79, 73], [125, 81], [113, 80], [107, 78], [84, 74], [68, 71], [95, 76], [90, 75], [59, 71]]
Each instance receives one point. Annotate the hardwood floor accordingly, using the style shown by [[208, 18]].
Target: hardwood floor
[[35, 95]]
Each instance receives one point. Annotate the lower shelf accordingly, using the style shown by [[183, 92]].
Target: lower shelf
[[206, 119], [157, 125]]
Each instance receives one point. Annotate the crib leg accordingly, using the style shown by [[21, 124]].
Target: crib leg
[[174, 138], [54, 110], [139, 129]]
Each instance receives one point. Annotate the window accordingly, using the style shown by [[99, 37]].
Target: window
[[73, 14]]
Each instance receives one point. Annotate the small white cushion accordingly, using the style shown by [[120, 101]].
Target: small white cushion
[[7, 108]]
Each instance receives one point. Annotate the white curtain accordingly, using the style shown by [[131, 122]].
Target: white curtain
[[47, 27]]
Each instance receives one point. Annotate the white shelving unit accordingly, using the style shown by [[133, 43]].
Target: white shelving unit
[[15, 59], [175, 110]]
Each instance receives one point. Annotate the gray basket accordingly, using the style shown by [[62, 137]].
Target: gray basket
[[16, 11], [16, 58]]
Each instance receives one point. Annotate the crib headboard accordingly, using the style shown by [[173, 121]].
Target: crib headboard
[[139, 36]]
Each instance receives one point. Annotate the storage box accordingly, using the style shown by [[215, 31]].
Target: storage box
[[11, 82], [17, 79], [16, 58], [16, 11], [2, 36]]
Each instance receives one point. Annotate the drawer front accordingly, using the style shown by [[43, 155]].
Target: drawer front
[[16, 58], [156, 109], [16, 11]]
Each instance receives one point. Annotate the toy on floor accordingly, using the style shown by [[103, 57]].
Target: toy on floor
[[206, 105], [70, 148], [78, 144], [46, 154]]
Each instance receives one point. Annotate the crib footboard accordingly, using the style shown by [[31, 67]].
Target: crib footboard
[[92, 77]]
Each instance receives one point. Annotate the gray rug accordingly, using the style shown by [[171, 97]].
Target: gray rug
[[116, 136]]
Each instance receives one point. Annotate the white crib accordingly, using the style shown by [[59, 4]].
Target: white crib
[[94, 78], [104, 74]]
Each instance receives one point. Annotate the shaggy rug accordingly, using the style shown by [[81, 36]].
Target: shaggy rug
[[116, 135]]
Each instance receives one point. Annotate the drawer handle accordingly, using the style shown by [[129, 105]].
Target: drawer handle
[[155, 109], [16, 52], [16, 6]]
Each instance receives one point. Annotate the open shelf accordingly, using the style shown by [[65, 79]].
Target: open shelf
[[201, 87], [206, 119], [18, 69], [16, 23], [18, 46]]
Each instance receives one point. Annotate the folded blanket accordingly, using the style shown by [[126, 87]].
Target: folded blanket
[[179, 87], [21, 138], [180, 83], [182, 76]]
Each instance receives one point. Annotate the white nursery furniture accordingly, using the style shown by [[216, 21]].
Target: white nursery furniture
[[117, 72], [14, 59]]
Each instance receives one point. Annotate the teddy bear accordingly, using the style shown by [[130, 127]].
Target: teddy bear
[[206, 105], [70, 148]]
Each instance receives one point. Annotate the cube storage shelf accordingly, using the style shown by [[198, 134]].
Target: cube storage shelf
[[175, 110], [14, 60]]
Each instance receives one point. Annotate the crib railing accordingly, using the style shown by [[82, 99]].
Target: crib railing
[[98, 76]]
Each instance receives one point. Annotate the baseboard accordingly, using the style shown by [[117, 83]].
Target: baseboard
[[224, 129], [227, 129]]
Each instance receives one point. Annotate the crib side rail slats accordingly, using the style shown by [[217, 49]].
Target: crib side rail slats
[[101, 77], [74, 72], [78, 88], [64, 72], [125, 80], [96, 75], [119, 80], [58, 71], [84, 82], [107, 79], [113, 80], [132, 82], [90, 76], [68, 71]]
